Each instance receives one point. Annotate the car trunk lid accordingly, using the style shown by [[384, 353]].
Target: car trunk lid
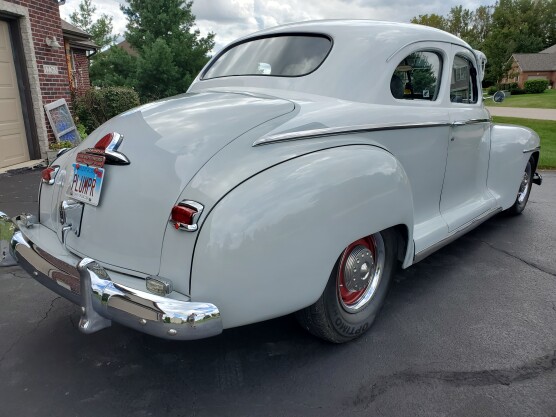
[[166, 142]]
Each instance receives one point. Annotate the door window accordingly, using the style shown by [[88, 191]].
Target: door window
[[463, 88]]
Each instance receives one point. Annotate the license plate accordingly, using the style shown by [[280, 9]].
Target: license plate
[[86, 184]]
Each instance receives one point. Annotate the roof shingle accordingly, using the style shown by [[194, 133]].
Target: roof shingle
[[536, 62]]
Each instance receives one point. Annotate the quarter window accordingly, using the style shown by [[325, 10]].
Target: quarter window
[[463, 88], [417, 77]]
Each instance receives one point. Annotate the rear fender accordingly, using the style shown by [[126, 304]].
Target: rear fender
[[268, 247]]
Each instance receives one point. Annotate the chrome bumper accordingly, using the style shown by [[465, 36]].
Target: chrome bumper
[[102, 300]]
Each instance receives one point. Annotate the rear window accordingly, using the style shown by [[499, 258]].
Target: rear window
[[279, 56]]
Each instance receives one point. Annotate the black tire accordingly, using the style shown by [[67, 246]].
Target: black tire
[[524, 190], [329, 317]]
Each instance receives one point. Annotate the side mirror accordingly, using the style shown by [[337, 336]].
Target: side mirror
[[498, 97]]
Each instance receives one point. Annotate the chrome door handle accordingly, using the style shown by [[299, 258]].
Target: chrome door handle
[[460, 123]]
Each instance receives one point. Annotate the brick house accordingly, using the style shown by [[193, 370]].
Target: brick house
[[42, 59], [533, 66]]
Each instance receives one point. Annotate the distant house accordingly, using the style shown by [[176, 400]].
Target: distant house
[[42, 60], [533, 66], [126, 46]]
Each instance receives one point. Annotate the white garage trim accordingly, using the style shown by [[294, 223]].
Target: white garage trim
[[32, 70]]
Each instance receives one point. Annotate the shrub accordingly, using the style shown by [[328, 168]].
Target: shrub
[[492, 89], [518, 91], [99, 105], [56, 146], [536, 86]]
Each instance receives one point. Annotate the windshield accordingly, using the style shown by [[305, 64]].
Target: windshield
[[282, 56]]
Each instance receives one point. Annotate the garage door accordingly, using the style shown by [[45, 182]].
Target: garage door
[[13, 141]]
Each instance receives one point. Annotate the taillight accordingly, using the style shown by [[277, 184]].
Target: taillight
[[49, 173], [104, 142], [184, 216]]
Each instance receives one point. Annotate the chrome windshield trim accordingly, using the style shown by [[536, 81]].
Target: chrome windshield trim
[[538, 148], [343, 130]]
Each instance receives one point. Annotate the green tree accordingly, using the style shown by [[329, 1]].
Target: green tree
[[114, 68], [100, 30], [517, 27], [171, 51], [508, 27], [432, 20]]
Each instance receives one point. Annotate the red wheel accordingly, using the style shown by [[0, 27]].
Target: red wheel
[[359, 272], [355, 291]]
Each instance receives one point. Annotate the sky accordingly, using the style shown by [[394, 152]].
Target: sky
[[231, 19]]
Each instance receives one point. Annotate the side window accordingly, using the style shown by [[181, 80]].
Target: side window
[[417, 77], [463, 88]]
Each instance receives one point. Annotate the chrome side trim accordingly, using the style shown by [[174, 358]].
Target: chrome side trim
[[343, 130], [102, 300], [470, 122], [455, 234], [538, 148]]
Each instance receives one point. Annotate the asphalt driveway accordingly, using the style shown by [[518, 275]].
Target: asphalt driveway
[[469, 331]]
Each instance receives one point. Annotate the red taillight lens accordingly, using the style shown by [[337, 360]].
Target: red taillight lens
[[104, 142], [48, 174], [183, 215]]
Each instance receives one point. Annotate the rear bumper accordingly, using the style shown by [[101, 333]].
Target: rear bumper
[[102, 300]]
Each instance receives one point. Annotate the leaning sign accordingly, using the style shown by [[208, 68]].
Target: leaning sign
[[61, 121]]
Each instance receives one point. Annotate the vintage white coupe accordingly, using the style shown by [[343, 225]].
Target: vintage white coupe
[[303, 165]]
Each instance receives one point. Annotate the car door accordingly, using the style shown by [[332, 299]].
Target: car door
[[464, 192]]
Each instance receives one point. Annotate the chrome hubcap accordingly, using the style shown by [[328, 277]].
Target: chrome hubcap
[[358, 268], [523, 188], [360, 271]]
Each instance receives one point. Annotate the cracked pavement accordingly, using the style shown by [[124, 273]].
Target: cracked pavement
[[471, 330]]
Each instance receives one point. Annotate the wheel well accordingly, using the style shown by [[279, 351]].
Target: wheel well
[[535, 157], [402, 237]]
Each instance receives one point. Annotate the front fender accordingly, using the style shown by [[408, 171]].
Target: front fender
[[268, 247], [511, 148]]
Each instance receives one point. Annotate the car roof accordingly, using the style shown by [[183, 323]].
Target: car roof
[[355, 66], [391, 32]]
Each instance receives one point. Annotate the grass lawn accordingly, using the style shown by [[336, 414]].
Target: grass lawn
[[546, 100], [546, 129]]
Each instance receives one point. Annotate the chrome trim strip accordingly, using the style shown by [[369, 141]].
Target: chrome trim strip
[[102, 300], [342, 130], [470, 122], [538, 148], [455, 234]]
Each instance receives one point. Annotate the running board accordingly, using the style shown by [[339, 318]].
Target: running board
[[455, 234]]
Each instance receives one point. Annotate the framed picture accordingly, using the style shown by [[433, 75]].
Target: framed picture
[[61, 121]]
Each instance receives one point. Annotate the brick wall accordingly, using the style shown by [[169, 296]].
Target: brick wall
[[44, 16], [549, 75], [81, 81]]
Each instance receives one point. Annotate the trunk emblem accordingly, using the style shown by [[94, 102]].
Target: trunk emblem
[[104, 152]]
